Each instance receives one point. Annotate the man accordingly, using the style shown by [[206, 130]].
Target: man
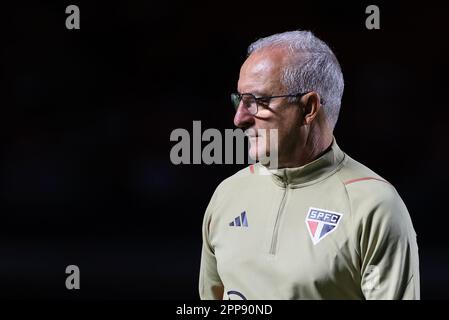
[[321, 225]]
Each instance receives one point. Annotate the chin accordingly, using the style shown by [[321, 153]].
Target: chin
[[258, 152], [253, 153]]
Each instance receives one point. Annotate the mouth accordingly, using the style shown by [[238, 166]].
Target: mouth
[[251, 133], [254, 139]]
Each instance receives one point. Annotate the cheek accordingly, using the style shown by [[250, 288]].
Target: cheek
[[292, 115], [288, 114], [289, 128], [287, 123]]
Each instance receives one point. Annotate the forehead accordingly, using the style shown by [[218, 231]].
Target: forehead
[[261, 72]]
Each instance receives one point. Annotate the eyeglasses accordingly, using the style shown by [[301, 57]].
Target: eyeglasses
[[252, 103]]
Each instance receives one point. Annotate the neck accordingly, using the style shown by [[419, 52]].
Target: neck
[[314, 144]]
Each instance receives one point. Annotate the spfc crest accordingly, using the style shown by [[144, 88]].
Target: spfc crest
[[321, 223]]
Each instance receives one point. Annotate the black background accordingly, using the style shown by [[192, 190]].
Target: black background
[[86, 117]]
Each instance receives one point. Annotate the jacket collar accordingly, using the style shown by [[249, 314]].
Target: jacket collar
[[310, 173]]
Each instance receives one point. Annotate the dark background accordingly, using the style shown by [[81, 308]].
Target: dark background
[[86, 117]]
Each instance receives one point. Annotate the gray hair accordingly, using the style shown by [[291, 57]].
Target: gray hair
[[313, 67]]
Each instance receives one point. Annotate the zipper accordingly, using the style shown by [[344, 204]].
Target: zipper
[[274, 240]]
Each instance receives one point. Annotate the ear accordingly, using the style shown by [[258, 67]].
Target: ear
[[312, 105]]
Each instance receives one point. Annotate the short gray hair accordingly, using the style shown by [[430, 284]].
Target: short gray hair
[[313, 67]]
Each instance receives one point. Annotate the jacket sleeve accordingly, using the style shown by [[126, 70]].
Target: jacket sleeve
[[210, 285], [388, 249]]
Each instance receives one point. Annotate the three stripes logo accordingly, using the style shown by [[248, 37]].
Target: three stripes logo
[[240, 221]]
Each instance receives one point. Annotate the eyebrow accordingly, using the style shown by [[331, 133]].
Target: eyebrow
[[256, 93]]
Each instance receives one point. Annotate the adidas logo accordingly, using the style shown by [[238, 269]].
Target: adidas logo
[[240, 221]]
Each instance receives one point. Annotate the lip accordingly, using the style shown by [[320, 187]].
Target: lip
[[251, 134]]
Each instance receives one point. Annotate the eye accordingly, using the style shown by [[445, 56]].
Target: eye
[[263, 101]]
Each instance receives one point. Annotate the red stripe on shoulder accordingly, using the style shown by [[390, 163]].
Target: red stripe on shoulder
[[363, 179], [251, 168]]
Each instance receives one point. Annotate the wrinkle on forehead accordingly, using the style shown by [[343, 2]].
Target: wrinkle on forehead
[[262, 71]]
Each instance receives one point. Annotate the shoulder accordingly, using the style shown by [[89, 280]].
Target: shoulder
[[372, 198], [353, 171], [361, 181]]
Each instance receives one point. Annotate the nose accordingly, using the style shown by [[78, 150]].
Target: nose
[[243, 118]]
